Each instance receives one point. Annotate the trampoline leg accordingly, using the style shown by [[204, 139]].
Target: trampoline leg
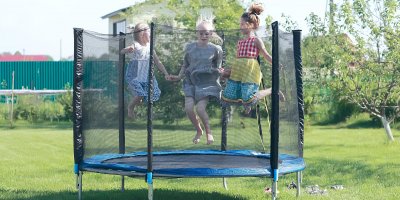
[[79, 184], [122, 183], [301, 176], [149, 180], [225, 183], [150, 194], [274, 190], [298, 183]]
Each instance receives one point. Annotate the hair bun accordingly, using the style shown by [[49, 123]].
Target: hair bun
[[256, 8], [255, 13]]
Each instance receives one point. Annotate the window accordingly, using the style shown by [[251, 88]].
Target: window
[[119, 27]]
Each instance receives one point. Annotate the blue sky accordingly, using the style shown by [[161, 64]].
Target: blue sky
[[45, 26]]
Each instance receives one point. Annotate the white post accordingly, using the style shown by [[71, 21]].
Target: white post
[[12, 100]]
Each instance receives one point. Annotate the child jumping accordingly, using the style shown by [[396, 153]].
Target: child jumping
[[201, 72], [245, 76], [137, 71]]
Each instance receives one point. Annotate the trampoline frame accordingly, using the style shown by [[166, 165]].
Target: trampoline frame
[[196, 163]]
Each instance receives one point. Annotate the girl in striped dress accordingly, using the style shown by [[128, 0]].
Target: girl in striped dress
[[245, 77]]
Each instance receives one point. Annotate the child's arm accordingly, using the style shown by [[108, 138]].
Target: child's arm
[[260, 45], [218, 57], [218, 62], [184, 65], [128, 49], [182, 70], [160, 66], [179, 76]]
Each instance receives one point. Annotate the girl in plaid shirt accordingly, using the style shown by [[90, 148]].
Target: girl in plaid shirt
[[245, 77]]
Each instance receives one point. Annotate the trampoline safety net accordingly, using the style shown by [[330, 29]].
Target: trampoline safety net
[[102, 95]]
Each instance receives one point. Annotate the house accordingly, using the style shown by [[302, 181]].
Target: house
[[5, 58], [124, 19]]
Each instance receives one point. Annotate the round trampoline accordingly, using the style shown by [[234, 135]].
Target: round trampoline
[[158, 141], [195, 163]]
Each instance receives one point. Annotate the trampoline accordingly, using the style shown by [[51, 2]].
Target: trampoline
[[158, 142], [206, 163]]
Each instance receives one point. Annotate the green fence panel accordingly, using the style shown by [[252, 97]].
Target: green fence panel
[[51, 75]]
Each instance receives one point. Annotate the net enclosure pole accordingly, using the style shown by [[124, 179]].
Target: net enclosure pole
[[260, 132], [149, 175], [300, 100], [299, 85], [121, 102], [77, 105], [121, 110], [77, 97], [224, 109], [275, 108]]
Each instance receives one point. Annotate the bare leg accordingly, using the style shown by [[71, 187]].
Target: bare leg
[[247, 109], [263, 93], [189, 108], [201, 111], [131, 107]]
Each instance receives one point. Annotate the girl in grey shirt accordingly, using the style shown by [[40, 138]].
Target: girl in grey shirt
[[201, 71]]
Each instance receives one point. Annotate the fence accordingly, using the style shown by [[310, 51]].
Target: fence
[[50, 75]]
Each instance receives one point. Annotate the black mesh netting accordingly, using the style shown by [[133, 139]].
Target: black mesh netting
[[101, 94]]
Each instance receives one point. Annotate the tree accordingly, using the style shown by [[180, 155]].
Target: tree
[[227, 12], [361, 55]]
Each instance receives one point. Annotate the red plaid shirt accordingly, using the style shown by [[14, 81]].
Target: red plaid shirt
[[246, 48]]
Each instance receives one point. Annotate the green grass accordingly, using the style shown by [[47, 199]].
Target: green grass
[[37, 163]]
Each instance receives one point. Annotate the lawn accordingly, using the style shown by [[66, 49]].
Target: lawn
[[37, 163]]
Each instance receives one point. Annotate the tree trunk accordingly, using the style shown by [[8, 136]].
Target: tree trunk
[[388, 131]]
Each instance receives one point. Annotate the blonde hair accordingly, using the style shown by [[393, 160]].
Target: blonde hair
[[139, 28], [252, 15], [207, 21], [209, 26]]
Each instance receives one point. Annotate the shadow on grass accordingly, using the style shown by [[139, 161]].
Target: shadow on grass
[[352, 125], [119, 195], [62, 125], [364, 124]]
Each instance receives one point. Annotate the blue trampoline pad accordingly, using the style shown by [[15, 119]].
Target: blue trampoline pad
[[197, 163]]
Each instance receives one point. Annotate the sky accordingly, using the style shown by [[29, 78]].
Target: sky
[[45, 27]]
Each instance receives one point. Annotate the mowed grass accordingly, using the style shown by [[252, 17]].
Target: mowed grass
[[36, 162]]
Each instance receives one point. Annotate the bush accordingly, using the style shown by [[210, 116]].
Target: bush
[[4, 111], [34, 108], [27, 108], [65, 100]]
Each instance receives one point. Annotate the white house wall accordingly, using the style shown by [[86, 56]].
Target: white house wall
[[145, 13]]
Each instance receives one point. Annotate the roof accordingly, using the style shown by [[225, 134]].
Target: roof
[[24, 58], [115, 13]]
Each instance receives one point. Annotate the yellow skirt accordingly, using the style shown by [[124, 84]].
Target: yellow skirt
[[246, 70]]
